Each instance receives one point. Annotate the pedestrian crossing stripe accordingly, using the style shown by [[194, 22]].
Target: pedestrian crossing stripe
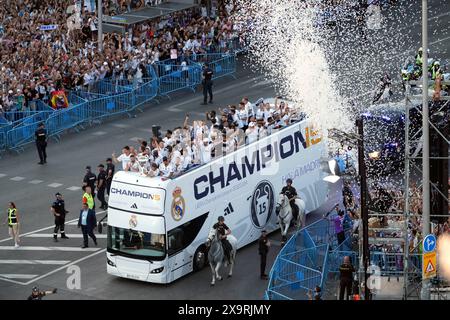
[[430, 267]]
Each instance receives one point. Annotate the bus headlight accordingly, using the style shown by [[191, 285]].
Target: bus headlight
[[112, 264], [159, 270]]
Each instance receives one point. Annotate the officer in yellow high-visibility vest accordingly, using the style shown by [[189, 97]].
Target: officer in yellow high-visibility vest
[[13, 223], [88, 198]]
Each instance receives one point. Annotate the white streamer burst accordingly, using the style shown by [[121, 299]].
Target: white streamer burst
[[324, 70]]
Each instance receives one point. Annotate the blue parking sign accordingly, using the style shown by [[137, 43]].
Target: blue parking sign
[[429, 243]]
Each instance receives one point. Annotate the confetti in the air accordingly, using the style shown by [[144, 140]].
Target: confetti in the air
[[328, 67]]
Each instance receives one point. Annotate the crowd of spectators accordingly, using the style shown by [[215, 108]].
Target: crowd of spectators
[[36, 62], [201, 141]]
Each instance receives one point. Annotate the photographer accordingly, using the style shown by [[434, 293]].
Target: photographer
[[37, 295]]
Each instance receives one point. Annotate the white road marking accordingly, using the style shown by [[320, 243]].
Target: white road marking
[[99, 133], [74, 188], [35, 181], [70, 235], [29, 248], [46, 228], [2, 175], [136, 139], [262, 83], [146, 130], [120, 125], [54, 271], [54, 185], [19, 276], [62, 262], [17, 179]]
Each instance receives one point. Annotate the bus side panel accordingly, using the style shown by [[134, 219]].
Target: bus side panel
[[244, 187]]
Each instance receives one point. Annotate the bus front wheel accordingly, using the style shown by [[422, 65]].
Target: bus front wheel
[[199, 258]]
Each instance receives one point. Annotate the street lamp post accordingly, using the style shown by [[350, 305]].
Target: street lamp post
[[100, 25], [425, 292]]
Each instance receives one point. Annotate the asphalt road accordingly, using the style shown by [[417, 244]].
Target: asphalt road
[[44, 263]]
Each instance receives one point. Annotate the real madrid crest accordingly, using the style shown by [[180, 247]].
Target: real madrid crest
[[133, 221], [178, 204]]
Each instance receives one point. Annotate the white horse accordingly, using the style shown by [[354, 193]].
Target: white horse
[[285, 215], [216, 254]]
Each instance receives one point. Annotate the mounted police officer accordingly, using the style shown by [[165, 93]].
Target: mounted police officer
[[224, 231], [291, 193], [59, 211]]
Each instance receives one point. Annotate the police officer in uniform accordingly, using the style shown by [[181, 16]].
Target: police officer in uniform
[[101, 186], [110, 168], [37, 295], [89, 180], [41, 143], [59, 211], [291, 193], [263, 249], [223, 231], [207, 84], [346, 278]]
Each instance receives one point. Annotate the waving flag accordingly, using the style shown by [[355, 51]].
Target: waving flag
[[59, 100]]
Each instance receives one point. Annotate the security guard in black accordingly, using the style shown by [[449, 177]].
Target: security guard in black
[[41, 143], [89, 179], [101, 185], [59, 211], [110, 168], [263, 249], [346, 278], [207, 84]]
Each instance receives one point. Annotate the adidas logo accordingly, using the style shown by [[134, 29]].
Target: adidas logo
[[229, 209], [134, 206]]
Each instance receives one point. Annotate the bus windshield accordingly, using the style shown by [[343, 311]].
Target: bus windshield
[[136, 244]]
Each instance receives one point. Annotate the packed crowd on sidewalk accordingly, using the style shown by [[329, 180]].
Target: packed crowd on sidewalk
[[35, 62]]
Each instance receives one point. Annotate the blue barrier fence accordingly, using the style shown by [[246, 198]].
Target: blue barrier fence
[[306, 261], [312, 257], [112, 97], [221, 64]]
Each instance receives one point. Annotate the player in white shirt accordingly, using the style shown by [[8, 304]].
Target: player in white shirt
[[242, 116], [252, 133], [166, 169], [154, 171], [124, 157], [205, 151], [133, 165]]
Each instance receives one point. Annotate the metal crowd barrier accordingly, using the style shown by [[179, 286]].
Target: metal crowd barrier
[[2, 140], [307, 260], [221, 64], [301, 265], [180, 78]]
